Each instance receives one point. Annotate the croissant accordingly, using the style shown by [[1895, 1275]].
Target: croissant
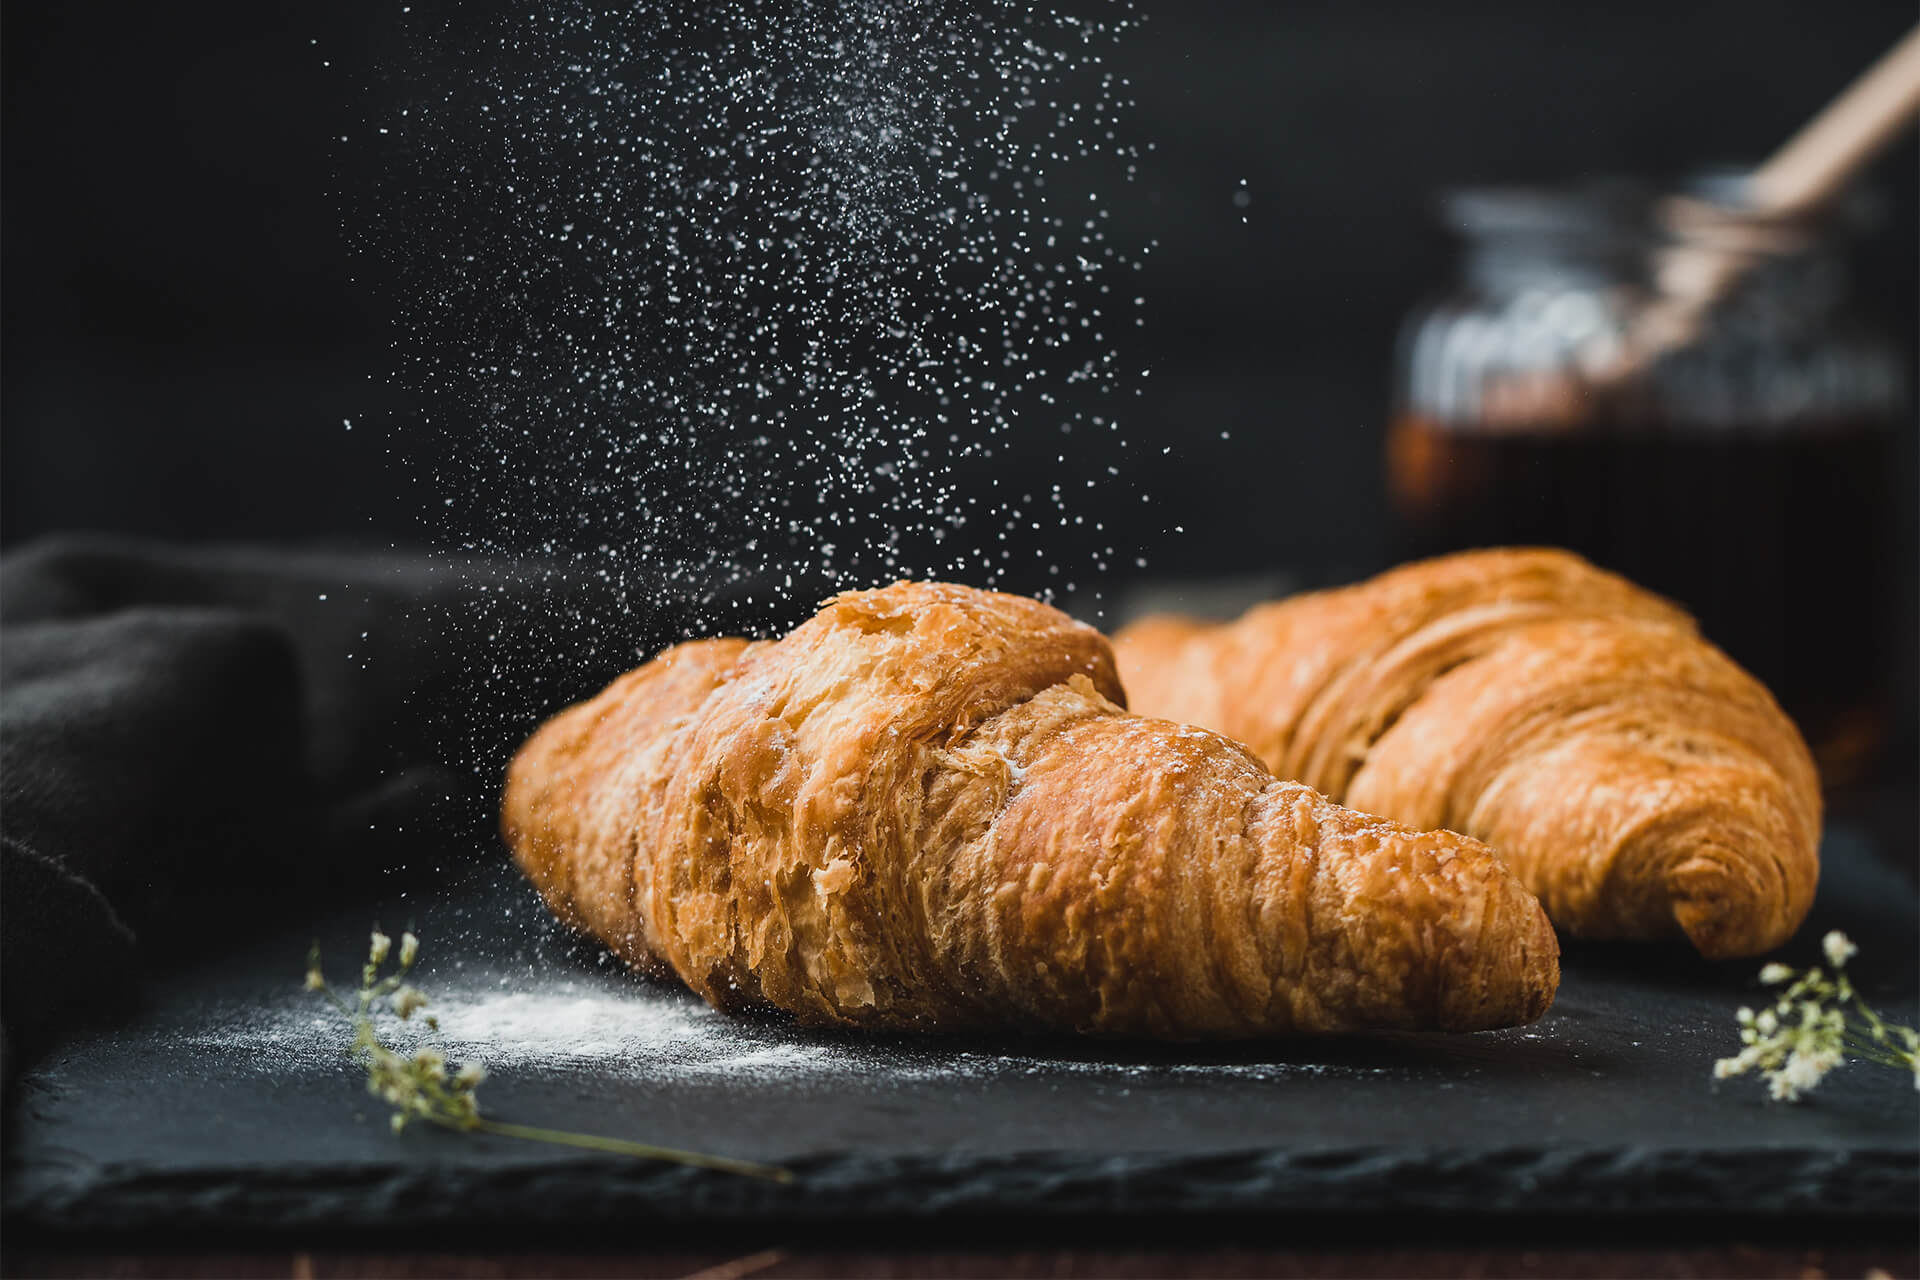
[[1639, 782], [926, 808]]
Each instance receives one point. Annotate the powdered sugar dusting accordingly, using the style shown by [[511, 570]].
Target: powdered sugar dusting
[[555, 1026], [554, 1022]]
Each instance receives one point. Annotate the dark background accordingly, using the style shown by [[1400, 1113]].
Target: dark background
[[184, 332]]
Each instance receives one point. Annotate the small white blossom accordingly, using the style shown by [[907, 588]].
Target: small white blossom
[[418, 1086], [1803, 1070], [1817, 1021]]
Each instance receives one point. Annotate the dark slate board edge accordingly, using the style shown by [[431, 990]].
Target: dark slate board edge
[[1822, 1184]]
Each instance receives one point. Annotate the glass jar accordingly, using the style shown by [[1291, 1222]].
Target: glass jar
[[1746, 473]]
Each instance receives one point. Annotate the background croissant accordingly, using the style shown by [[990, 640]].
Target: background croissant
[[926, 808], [1637, 779]]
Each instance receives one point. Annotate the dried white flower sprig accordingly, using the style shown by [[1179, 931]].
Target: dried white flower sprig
[[1816, 1024], [422, 1087]]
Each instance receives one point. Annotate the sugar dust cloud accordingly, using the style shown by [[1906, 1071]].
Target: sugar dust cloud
[[712, 302]]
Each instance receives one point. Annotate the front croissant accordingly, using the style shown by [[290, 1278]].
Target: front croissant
[[1637, 779], [926, 809]]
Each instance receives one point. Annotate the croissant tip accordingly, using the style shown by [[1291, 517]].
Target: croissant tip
[[1540, 957], [1511, 984], [1534, 974], [1724, 914]]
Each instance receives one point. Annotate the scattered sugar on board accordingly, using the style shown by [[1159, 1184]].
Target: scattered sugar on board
[[555, 1024]]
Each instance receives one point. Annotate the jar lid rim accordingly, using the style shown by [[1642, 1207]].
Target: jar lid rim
[[1613, 210]]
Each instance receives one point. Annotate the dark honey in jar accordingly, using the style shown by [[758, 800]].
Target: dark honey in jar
[[1747, 474]]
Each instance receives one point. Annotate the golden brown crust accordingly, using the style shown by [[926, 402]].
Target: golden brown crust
[[1637, 779], [926, 808], [579, 792]]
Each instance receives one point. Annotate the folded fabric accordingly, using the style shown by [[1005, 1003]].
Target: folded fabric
[[191, 738]]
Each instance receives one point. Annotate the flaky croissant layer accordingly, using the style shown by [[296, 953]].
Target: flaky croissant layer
[[926, 808], [1637, 779]]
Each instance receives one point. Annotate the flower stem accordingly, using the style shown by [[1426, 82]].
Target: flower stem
[[1875, 1026], [1868, 1051], [641, 1150]]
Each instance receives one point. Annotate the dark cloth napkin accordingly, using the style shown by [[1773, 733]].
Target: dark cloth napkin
[[197, 742]]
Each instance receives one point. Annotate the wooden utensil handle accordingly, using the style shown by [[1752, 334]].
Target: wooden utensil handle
[[1818, 160]]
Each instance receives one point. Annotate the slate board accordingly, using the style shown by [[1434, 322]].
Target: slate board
[[228, 1104]]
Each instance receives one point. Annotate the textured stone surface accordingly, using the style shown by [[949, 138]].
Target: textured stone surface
[[228, 1102]]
